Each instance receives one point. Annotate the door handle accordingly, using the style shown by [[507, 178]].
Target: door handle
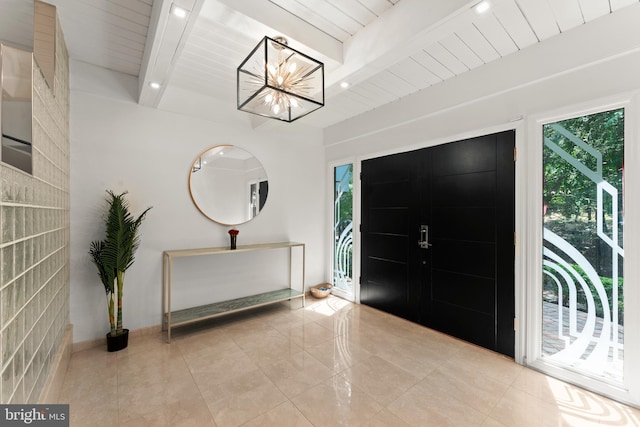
[[423, 243]]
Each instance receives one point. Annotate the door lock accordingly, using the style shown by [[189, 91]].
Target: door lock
[[423, 243]]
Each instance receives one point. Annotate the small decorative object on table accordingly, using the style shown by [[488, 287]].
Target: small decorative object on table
[[233, 235], [321, 291]]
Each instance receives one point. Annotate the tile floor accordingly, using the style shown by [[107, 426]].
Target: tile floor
[[332, 363]]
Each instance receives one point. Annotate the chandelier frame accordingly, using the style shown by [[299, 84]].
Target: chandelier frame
[[279, 82]]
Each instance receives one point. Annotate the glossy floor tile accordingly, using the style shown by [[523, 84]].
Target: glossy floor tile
[[331, 363]]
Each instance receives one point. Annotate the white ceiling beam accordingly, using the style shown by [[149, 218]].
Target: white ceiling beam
[[402, 30], [165, 41], [289, 25]]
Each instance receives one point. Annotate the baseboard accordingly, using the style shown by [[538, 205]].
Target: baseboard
[[53, 386], [85, 345], [149, 330]]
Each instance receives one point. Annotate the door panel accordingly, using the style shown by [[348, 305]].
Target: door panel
[[385, 247], [477, 328], [467, 156], [388, 261], [391, 194], [475, 293], [389, 220], [471, 223], [505, 243], [387, 288], [460, 256], [463, 283], [466, 190]]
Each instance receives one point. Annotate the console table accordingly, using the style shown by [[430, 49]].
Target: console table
[[193, 314]]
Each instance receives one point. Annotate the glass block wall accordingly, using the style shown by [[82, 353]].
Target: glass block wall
[[34, 245]]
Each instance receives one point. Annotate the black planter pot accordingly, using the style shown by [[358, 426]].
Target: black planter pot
[[118, 342]]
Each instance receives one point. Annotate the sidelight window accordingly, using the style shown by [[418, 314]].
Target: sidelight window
[[343, 230], [583, 252]]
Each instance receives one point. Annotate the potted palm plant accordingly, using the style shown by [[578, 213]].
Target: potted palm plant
[[112, 257]]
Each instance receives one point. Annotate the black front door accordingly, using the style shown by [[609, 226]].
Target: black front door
[[437, 238]]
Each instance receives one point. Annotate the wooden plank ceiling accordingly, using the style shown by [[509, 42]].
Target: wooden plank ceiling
[[108, 33], [385, 49]]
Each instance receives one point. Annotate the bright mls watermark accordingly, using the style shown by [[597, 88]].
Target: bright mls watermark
[[34, 415]]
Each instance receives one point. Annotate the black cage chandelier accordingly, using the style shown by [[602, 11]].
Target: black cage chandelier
[[278, 82]]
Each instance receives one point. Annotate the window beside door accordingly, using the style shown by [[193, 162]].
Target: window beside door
[[583, 253], [343, 230]]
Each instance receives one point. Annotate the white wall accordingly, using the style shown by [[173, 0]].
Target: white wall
[[117, 144]]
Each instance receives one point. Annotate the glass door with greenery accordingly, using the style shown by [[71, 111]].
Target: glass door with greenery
[[583, 252], [343, 231]]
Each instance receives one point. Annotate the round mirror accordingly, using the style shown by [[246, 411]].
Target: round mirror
[[228, 184]]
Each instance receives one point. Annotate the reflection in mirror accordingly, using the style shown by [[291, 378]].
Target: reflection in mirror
[[16, 75], [228, 185]]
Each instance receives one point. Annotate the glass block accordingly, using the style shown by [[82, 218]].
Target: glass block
[[8, 341], [36, 278], [7, 264], [28, 193], [19, 222], [28, 344], [39, 305], [18, 361], [6, 188], [28, 284], [16, 376], [36, 250], [17, 191], [19, 293], [18, 395], [7, 381], [37, 221], [7, 304], [8, 224], [47, 219], [18, 259], [28, 221], [28, 254]]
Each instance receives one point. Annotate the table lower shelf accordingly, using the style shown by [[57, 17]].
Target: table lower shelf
[[194, 314]]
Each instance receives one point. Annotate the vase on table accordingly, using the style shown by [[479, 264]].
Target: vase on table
[[233, 237]]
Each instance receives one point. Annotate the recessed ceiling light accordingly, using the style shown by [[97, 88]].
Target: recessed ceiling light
[[179, 12], [344, 85], [154, 85], [482, 7]]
